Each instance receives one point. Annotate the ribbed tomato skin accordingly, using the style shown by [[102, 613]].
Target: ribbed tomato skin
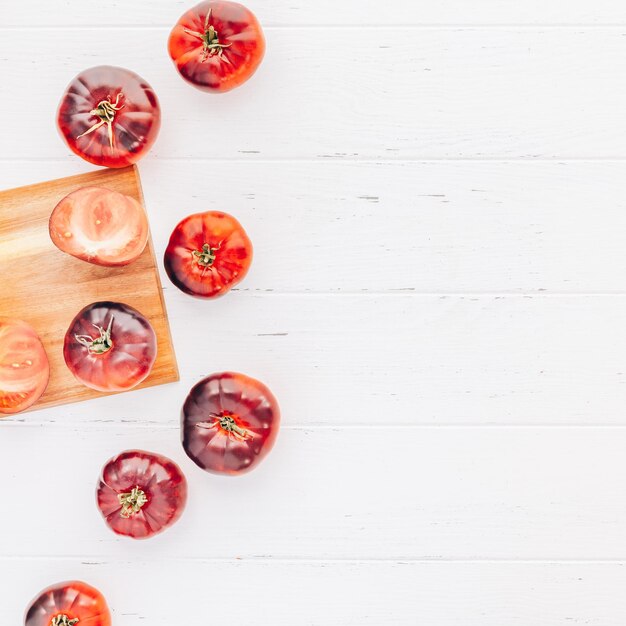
[[135, 126], [162, 481], [233, 254], [130, 360], [239, 31], [75, 599], [254, 410]]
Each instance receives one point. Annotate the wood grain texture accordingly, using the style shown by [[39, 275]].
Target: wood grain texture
[[350, 360], [301, 593], [347, 13], [448, 93], [422, 227], [470, 154], [335, 493], [47, 288]]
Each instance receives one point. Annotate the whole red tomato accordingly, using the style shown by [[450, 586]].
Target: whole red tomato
[[229, 423], [217, 46], [208, 253], [109, 116], [100, 226], [24, 368], [68, 604], [141, 493], [110, 346]]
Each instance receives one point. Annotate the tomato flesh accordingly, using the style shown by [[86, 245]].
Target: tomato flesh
[[100, 226], [109, 116], [110, 346], [229, 423], [141, 493], [216, 46], [67, 603], [208, 254], [24, 367]]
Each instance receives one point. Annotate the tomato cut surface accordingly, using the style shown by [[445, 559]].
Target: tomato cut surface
[[110, 346], [24, 367], [109, 116], [229, 423], [208, 254], [68, 604], [217, 46], [141, 493], [100, 226]]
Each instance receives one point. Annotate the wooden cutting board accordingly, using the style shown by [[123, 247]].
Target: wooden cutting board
[[47, 288]]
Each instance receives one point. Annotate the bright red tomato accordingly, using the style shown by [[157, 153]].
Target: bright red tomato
[[24, 368], [141, 493], [229, 423], [100, 226], [217, 45], [208, 254], [110, 346], [68, 604], [109, 116]]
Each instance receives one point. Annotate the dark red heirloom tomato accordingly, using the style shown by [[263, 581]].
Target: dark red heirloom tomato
[[68, 604], [109, 116], [141, 493], [24, 368], [229, 423], [100, 226], [110, 346], [217, 46], [208, 253]]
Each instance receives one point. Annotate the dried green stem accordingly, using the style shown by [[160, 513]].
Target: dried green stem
[[211, 45], [228, 423], [100, 344], [106, 111], [206, 256], [132, 502], [63, 620]]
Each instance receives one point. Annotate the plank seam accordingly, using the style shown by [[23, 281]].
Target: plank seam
[[365, 26], [334, 159], [95, 425], [103, 559]]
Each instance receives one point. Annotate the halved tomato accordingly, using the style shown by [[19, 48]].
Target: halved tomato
[[100, 226], [24, 368]]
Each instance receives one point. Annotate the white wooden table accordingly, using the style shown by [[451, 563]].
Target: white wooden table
[[436, 192]]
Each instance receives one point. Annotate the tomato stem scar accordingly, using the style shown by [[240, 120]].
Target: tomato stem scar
[[63, 620], [132, 502], [100, 344], [206, 256], [227, 423], [106, 111], [210, 40]]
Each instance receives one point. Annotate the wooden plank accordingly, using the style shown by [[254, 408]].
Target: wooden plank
[[335, 593], [442, 93], [435, 227], [403, 360], [47, 288], [335, 493], [325, 12]]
